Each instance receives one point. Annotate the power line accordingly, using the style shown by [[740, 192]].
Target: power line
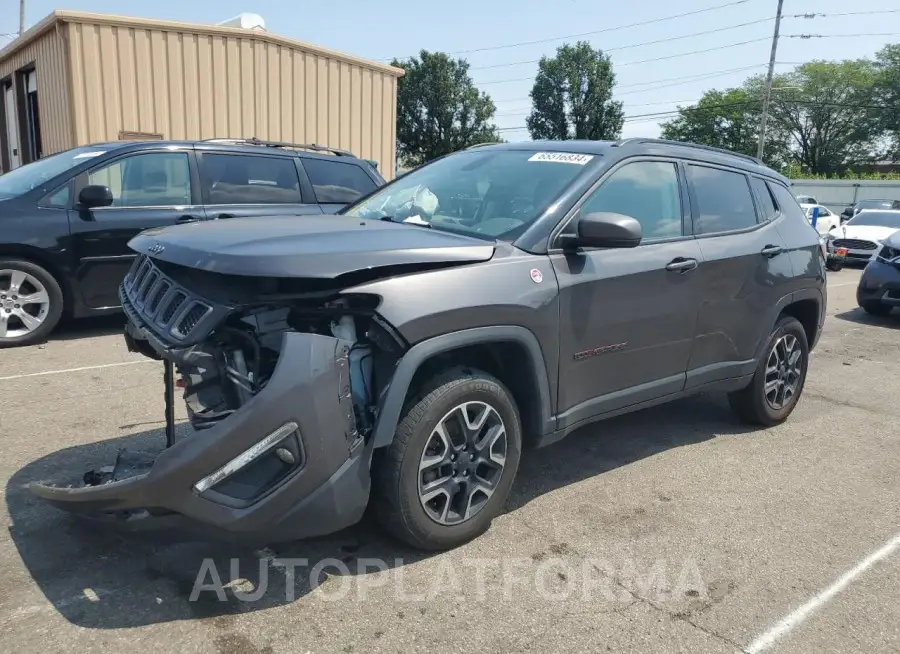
[[671, 81], [839, 36], [643, 61], [644, 43], [845, 13], [602, 31], [727, 105]]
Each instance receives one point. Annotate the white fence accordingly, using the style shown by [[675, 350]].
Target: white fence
[[837, 194]]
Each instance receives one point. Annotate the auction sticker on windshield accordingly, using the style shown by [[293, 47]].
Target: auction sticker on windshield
[[562, 157]]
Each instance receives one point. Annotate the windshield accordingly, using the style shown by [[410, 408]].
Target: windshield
[[23, 179], [492, 194], [874, 204], [876, 219]]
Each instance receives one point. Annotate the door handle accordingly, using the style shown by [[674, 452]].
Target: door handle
[[221, 216], [682, 265], [187, 218], [771, 250]]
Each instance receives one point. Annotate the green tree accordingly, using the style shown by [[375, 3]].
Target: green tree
[[827, 110], [887, 94], [439, 109], [572, 96], [822, 117], [728, 119]]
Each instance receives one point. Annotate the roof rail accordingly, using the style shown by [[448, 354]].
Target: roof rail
[[481, 145], [278, 144], [709, 148]]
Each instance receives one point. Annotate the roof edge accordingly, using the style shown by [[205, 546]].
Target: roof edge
[[83, 17], [29, 35]]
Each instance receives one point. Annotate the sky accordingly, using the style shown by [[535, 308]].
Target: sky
[[503, 39]]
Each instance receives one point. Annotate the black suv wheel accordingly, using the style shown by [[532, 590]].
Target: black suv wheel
[[779, 378], [452, 462]]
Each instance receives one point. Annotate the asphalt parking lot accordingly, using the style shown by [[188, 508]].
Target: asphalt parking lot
[[675, 529]]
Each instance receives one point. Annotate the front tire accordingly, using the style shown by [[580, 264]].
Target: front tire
[[779, 378], [31, 303], [452, 462]]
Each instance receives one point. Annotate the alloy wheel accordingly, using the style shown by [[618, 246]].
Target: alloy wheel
[[462, 463], [784, 371], [24, 303]]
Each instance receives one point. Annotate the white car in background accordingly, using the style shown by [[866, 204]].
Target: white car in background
[[826, 221], [864, 234]]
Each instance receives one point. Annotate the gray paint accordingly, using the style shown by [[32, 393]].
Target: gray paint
[[605, 332]]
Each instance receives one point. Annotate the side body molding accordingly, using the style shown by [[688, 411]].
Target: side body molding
[[391, 404]]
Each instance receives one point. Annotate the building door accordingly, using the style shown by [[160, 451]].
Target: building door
[[32, 117], [12, 133]]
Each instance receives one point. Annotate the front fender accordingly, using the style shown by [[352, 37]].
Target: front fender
[[391, 405]]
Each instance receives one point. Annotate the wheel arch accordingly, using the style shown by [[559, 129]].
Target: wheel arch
[[807, 306], [510, 352], [40, 258]]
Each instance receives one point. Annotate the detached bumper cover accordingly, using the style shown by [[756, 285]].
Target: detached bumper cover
[[880, 282], [328, 490]]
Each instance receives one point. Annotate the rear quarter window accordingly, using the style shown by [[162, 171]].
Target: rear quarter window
[[337, 182], [787, 203]]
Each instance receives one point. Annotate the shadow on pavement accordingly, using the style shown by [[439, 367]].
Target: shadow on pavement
[[103, 580], [860, 317], [88, 327]]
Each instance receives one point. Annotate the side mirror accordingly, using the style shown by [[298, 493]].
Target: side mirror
[[95, 196], [605, 230]]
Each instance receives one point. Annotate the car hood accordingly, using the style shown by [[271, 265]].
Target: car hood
[[865, 232], [315, 246]]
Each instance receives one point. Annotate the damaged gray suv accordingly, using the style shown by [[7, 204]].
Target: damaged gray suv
[[400, 355]]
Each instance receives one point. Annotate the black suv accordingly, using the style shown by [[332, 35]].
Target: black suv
[[401, 354], [65, 220]]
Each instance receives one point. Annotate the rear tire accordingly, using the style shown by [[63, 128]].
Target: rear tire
[[834, 266], [452, 462], [779, 378], [876, 308], [31, 303]]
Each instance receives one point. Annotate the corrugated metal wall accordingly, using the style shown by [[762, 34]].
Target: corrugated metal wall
[[49, 55], [187, 85]]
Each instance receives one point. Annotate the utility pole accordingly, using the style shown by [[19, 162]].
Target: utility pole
[[768, 92], [21, 17]]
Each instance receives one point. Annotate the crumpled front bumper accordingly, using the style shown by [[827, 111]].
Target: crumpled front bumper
[[327, 488]]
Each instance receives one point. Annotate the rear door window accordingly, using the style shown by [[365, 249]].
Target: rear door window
[[337, 182], [723, 200], [249, 179]]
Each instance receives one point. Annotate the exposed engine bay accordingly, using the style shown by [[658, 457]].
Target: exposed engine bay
[[224, 364]]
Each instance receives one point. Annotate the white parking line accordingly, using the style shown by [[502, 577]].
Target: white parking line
[[60, 372], [844, 284], [785, 625]]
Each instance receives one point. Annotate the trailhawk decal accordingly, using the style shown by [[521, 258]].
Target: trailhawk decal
[[562, 157], [597, 351]]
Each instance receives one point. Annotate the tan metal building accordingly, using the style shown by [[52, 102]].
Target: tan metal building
[[77, 78]]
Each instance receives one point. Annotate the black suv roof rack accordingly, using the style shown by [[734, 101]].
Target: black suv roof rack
[[279, 144], [638, 140], [481, 145]]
